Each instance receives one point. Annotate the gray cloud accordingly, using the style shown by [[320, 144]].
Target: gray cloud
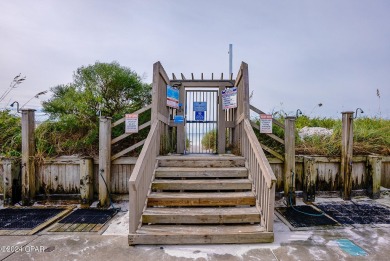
[[299, 53]]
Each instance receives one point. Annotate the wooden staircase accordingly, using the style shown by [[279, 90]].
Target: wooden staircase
[[201, 200]]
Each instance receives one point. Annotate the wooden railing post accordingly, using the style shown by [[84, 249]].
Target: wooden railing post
[[104, 160], [86, 181], [345, 182], [11, 171], [374, 165], [28, 152], [289, 160]]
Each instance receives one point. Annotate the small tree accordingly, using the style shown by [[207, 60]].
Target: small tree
[[102, 88]]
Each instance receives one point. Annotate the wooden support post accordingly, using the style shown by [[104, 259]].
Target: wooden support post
[[309, 179], [221, 125], [104, 160], [345, 181], [11, 181], [374, 165], [289, 159], [181, 136], [28, 152], [86, 181]]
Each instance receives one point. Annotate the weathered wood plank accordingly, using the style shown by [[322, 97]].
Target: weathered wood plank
[[200, 235], [201, 199], [206, 162], [167, 172], [271, 151], [218, 184], [273, 136], [123, 152], [125, 135], [226, 215]]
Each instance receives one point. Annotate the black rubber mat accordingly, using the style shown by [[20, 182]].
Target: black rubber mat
[[310, 218], [90, 216], [350, 213], [25, 218]]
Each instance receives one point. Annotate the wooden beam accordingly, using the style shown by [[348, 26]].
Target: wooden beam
[[104, 160], [374, 165], [123, 152], [201, 77], [289, 159], [272, 152], [221, 76], [182, 76], [173, 76], [346, 155], [28, 153], [192, 76], [231, 76], [212, 76], [125, 135]]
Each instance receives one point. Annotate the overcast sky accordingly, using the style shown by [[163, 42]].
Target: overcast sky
[[300, 53]]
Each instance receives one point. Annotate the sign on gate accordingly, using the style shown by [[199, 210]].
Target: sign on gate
[[200, 106], [199, 115], [265, 123], [229, 98], [131, 123], [172, 97]]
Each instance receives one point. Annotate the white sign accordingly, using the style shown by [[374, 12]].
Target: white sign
[[131, 123], [265, 123], [229, 98]]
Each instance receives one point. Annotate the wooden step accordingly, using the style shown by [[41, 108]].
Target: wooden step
[[180, 172], [202, 184], [205, 162], [225, 215], [201, 199], [188, 234]]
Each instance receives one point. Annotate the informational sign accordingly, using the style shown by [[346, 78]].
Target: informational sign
[[172, 97], [178, 119], [200, 106], [265, 123], [131, 123], [229, 98], [199, 115]]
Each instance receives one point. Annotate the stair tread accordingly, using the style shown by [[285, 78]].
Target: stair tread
[[208, 157], [232, 172], [201, 194], [203, 181], [200, 230], [188, 211]]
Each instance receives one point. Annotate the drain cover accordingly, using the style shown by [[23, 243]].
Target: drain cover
[[349, 213], [305, 216]]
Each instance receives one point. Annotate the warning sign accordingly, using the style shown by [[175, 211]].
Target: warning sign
[[229, 98], [131, 123], [265, 123]]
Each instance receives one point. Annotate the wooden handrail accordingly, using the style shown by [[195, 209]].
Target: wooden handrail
[[260, 157], [141, 177], [263, 178]]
